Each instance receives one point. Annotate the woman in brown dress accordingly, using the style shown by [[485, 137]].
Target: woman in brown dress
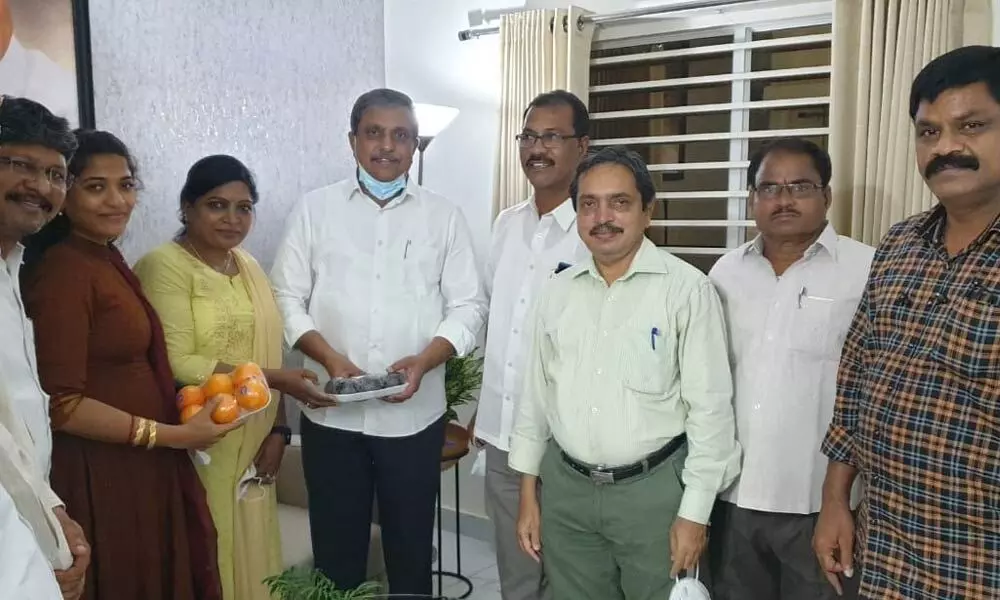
[[119, 458]]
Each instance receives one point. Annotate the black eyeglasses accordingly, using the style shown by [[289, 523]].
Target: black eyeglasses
[[799, 189], [57, 178], [550, 139]]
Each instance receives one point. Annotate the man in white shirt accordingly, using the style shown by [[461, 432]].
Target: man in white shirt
[[789, 297], [34, 148], [626, 414], [376, 274], [32, 74], [33, 503], [25, 573], [530, 242]]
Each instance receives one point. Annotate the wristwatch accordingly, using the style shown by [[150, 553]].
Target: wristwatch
[[284, 431]]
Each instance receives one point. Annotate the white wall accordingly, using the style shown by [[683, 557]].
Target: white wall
[[996, 22], [180, 79]]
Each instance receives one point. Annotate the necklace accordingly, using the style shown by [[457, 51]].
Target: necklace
[[226, 267]]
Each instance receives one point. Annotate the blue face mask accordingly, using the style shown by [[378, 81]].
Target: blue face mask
[[381, 190]]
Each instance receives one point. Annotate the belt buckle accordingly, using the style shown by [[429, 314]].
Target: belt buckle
[[602, 477]]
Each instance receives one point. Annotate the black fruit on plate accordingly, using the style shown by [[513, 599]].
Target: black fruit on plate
[[394, 379], [368, 384], [343, 386]]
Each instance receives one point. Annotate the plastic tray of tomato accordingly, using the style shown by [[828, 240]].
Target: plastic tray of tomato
[[242, 393]]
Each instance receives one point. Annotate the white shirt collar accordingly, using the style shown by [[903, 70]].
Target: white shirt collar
[[827, 240], [13, 261], [564, 214]]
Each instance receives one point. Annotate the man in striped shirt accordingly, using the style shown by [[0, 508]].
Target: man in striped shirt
[[918, 402], [626, 411]]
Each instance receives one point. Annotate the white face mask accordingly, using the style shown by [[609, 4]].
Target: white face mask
[[689, 588], [381, 190]]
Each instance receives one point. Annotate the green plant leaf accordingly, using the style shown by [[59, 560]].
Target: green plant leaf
[[463, 377], [303, 583]]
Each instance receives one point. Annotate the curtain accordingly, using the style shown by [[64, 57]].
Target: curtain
[[879, 46], [541, 51]]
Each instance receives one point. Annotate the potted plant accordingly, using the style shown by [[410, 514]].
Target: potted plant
[[463, 376], [303, 583]]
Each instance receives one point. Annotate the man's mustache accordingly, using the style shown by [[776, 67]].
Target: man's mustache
[[606, 228], [785, 211], [955, 161], [539, 158], [32, 198]]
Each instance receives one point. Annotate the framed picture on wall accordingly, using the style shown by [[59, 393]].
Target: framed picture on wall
[[45, 56]]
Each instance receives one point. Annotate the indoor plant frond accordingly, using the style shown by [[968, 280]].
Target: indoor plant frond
[[303, 583], [463, 376]]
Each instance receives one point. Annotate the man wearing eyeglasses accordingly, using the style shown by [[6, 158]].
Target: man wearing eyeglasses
[[530, 241], [377, 274], [34, 148], [789, 296]]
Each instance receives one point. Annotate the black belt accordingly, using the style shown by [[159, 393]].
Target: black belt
[[618, 474]]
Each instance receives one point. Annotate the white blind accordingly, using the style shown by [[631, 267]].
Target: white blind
[[696, 105]]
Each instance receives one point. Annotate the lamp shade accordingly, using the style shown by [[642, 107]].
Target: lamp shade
[[433, 118]]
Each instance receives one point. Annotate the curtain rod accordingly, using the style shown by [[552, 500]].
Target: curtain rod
[[477, 32]]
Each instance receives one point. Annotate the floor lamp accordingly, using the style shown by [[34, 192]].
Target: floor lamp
[[432, 120]]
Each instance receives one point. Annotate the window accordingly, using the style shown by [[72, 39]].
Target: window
[[697, 104]]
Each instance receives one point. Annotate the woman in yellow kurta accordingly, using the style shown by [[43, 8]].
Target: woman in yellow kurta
[[218, 311]]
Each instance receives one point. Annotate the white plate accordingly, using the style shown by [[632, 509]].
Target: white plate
[[362, 396]]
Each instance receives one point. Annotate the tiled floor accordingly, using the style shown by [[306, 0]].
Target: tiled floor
[[478, 564]]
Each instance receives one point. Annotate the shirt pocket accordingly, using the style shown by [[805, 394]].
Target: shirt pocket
[[422, 266], [810, 326], [819, 326], [969, 344], [643, 355]]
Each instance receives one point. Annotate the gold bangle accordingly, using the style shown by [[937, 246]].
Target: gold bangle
[[152, 435], [140, 431]]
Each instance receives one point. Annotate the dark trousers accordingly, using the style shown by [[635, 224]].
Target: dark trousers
[[345, 471], [757, 555]]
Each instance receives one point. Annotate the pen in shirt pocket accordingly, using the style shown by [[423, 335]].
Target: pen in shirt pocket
[[406, 249], [653, 334], [804, 295]]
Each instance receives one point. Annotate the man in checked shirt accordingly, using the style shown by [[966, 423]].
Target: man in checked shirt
[[918, 393]]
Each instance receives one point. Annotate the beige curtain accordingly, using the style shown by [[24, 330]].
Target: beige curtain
[[541, 51], [879, 46]]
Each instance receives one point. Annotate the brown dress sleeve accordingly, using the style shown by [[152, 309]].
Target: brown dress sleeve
[[59, 299]]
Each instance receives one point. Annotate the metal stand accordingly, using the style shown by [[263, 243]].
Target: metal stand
[[422, 143], [457, 574]]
